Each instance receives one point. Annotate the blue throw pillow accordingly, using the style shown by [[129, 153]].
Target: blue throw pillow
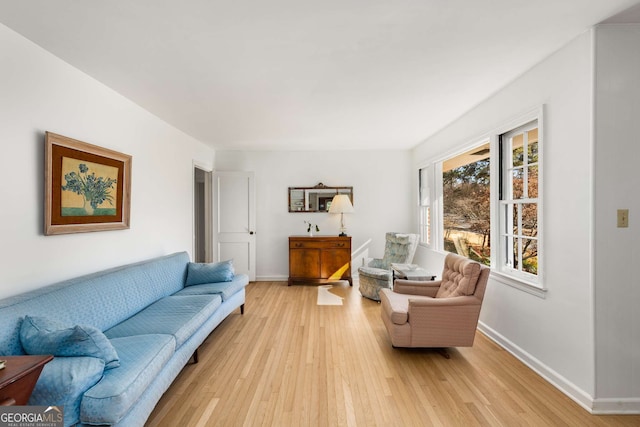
[[199, 273], [40, 335]]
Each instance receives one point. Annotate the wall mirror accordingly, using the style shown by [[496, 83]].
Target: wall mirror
[[315, 199]]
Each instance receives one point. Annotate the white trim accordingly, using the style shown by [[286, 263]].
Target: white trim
[[611, 406], [575, 393], [277, 278], [585, 400], [207, 168], [592, 215], [515, 282]]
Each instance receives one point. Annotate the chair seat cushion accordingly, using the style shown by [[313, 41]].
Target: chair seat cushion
[[179, 316], [63, 381], [377, 273], [395, 305], [142, 358]]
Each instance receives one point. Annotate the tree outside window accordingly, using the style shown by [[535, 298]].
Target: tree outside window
[[466, 204]]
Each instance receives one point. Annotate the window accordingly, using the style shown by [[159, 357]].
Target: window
[[425, 205], [519, 203], [485, 203], [466, 204]]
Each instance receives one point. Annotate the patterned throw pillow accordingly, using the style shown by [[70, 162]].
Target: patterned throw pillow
[[200, 273], [40, 335]]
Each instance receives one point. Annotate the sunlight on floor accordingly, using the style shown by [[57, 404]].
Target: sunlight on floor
[[325, 297]]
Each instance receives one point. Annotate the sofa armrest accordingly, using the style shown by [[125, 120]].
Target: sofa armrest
[[413, 287]]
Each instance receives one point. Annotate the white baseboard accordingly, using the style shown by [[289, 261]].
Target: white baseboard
[[558, 381], [606, 406], [354, 277], [616, 406], [272, 278]]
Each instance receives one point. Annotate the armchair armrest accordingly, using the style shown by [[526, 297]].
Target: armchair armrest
[[412, 287]]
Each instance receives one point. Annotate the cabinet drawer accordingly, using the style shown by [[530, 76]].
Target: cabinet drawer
[[309, 244]]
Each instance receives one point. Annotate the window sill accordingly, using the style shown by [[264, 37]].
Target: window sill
[[519, 284]]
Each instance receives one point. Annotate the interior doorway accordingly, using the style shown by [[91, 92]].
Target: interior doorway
[[202, 218]]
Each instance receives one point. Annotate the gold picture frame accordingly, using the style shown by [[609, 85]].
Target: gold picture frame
[[87, 188]]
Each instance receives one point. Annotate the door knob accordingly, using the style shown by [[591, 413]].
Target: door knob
[[252, 232]]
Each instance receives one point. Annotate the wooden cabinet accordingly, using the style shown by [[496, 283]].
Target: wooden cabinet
[[319, 259]]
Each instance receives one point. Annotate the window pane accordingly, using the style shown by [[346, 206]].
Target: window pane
[[532, 182], [530, 256], [533, 148], [514, 254], [517, 151], [530, 219], [517, 182], [466, 204]]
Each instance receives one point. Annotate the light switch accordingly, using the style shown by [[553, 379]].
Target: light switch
[[623, 218]]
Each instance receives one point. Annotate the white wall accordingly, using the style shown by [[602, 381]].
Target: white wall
[[617, 151], [39, 93], [553, 335], [382, 198]]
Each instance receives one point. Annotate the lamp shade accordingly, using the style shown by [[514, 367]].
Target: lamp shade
[[341, 203]]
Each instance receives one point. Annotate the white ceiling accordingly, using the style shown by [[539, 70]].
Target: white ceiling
[[306, 74]]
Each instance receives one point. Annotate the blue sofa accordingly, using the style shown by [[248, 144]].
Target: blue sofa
[[150, 315]]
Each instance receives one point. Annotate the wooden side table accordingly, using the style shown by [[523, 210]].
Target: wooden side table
[[19, 377]]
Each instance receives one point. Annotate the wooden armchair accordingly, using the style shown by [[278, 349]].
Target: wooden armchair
[[439, 314]]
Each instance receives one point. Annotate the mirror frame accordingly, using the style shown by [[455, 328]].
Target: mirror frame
[[320, 186]]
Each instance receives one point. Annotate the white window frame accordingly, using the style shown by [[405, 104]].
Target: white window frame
[[425, 208], [532, 284], [501, 271]]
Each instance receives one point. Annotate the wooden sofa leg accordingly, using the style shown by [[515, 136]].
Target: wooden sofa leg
[[195, 356], [242, 309]]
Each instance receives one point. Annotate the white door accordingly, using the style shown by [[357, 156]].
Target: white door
[[234, 220]]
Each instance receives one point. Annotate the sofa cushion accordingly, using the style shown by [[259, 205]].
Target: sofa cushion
[[41, 335], [179, 316], [63, 381], [199, 273], [142, 359], [459, 277], [225, 289]]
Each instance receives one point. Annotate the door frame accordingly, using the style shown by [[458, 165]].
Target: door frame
[[207, 201]]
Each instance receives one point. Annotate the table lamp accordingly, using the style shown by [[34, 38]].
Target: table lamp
[[341, 204]]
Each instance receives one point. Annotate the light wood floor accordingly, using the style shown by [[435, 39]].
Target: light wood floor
[[289, 362]]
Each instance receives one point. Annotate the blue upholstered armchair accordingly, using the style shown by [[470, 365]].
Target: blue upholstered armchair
[[377, 274]]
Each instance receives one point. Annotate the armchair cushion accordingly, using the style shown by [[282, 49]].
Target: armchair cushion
[[459, 277]]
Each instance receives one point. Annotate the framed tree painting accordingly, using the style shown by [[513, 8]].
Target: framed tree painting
[[87, 188]]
